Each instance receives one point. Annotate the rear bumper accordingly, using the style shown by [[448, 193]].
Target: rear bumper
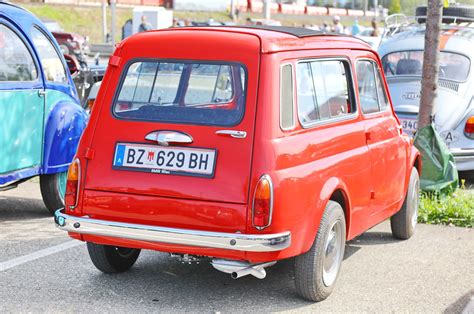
[[218, 240], [464, 158]]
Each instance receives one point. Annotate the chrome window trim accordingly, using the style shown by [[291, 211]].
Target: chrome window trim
[[293, 95], [123, 75], [348, 117]]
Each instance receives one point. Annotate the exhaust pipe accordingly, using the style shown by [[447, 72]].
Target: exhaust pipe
[[238, 269]]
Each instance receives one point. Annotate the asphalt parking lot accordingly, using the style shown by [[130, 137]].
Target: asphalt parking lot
[[42, 270]]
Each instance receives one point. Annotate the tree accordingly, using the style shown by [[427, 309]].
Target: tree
[[395, 7], [429, 81]]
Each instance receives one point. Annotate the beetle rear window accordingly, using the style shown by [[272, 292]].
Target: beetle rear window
[[452, 66], [182, 92]]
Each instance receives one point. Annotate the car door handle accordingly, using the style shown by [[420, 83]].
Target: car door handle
[[232, 133], [41, 92], [164, 138]]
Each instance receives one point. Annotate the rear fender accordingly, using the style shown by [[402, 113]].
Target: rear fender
[[63, 130], [414, 160], [332, 185]]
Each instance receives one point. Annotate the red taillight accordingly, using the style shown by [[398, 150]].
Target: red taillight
[[263, 203], [72, 185], [469, 127]]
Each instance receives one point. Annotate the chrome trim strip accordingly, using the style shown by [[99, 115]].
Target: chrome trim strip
[[293, 95], [459, 152], [218, 240], [164, 138], [232, 133]]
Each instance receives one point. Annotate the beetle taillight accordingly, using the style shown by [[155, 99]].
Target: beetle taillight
[[263, 203], [469, 127], [72, 185]]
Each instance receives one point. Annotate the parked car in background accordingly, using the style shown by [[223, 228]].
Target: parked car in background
[[41, 120], [367, 35], [70, 43], [76, 48], [246, 145], [402, 60]]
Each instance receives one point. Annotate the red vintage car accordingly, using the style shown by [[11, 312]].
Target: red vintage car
[[246, 145]]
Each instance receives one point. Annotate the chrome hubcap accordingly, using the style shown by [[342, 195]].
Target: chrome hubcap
[[332, 254]]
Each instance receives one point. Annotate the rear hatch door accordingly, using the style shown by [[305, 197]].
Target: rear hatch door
[[180, 125]]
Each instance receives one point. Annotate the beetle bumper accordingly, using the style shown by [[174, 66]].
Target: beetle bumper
[[464, 158], [220, 240]]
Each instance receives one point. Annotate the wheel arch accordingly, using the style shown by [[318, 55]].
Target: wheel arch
[[415, 160], [333, 190], [63, 129], [340, 196]]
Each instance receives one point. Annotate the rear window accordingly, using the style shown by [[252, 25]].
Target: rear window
[[188, 92], [452, 66]]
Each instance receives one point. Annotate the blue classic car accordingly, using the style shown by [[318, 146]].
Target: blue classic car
[[41, 120]]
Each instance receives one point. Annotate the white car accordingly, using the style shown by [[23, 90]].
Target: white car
[[402, 60]]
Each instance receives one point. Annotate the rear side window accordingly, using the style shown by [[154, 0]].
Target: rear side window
[[372, 94], [53, 67], [382, 92], [16, 63], [286, 97], [323, 90], [182, 92]]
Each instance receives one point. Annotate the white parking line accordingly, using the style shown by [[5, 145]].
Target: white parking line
[[38, 254]]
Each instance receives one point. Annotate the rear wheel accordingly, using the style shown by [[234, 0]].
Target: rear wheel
[[112, 259], [404, 222], [53, 189], [316, 271]]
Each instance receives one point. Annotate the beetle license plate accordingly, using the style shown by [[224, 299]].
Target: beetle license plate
[[409, 126], [165, 160]]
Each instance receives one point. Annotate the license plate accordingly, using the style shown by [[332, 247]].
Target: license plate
[[409, 126], [190, 161]]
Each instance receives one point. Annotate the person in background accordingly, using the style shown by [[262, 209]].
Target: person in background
[[145, 25], [326, 27], [375, 32], [355, 28], [337, 26]]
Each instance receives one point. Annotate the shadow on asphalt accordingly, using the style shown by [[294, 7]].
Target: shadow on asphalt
[[374, 237], [20, 208], [461, 303], [179, 282]]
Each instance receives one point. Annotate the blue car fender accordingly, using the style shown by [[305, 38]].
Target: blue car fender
[[63, 130]]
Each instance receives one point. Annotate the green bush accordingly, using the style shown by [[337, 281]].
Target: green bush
[[455, 210], [395, 7]]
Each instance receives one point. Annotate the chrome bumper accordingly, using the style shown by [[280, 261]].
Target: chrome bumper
[[464, 158], [462, 153], [218, 240]]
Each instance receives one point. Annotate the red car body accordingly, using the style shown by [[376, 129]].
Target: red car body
[[362, 162]]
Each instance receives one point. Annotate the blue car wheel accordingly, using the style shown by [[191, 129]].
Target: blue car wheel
[[53, 189]]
